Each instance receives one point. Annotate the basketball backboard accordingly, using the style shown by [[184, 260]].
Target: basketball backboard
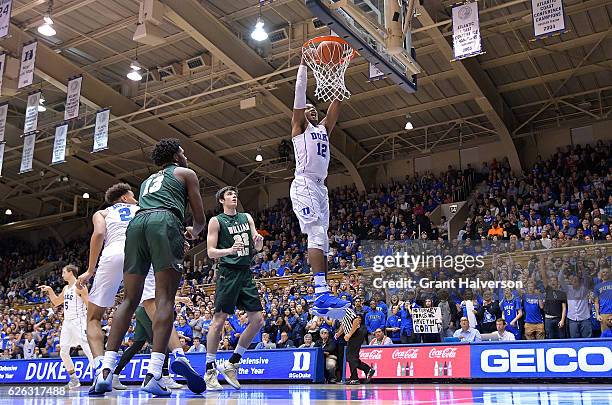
[[377, 30]]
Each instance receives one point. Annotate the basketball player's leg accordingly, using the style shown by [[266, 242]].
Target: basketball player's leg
[[68, 339], [136, 266], [248, 299], [133, 285], [106, 284], [95, 334]]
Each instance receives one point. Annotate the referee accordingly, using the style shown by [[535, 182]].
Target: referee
[[354, 331]]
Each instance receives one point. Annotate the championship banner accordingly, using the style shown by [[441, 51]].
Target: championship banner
[[570, 358], [2, 66], [256, 365], [374, 73], [59, 144], [1, 156], [73, 98], [3, 113], [466, 31], [26, 70], [101, 131], [427, 320], [548, 17], [31, 114], [29, 141], [451, 361], [5, 17]]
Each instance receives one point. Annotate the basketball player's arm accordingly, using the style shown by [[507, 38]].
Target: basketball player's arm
[[257, 238], [331, 118], [298, 120], [212, 240], [192, 184], [56, 300], [96, 244]]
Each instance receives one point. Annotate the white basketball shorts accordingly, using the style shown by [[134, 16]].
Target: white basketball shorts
[[310, 203], [109, 276], [74, 332]]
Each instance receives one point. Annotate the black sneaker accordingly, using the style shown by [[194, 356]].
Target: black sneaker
[[370, 375]]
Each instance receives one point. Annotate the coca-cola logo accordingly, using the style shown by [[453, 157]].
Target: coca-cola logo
[[405, 354], [371, 355], [446, 353]]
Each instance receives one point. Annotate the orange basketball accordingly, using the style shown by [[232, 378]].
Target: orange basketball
[[329, 52]]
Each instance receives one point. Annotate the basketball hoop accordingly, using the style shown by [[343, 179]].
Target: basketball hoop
[[329, 57]]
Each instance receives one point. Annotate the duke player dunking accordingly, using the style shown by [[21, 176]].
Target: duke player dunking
[[308, 192], [74, 301]]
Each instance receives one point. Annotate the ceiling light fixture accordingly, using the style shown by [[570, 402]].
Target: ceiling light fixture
[[259, 158], [409, 125], [86, 196], [41, 104], [8, 212], [259, 33], [46, 28], [134, 74]]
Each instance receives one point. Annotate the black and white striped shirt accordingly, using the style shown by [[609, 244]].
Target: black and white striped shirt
[[347, 322]]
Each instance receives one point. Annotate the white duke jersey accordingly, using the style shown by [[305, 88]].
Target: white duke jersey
[[118, 217], [312, 152], [74, 306]]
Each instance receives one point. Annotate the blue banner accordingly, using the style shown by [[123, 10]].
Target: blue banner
[[274, 364], [590, 358]]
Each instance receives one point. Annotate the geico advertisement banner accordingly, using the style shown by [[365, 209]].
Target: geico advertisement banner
[[543, 359], [451, 361], [280, 364]]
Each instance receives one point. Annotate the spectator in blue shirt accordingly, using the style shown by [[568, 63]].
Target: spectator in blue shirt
[[603, 299], [197, 347], [466, 333], [184, 330], [608, 332], [374, 319], [394, 323]]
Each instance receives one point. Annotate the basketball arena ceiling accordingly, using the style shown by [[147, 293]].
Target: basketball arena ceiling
[[207, 64]]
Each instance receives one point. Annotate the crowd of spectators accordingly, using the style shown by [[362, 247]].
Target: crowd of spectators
[[557, 203]]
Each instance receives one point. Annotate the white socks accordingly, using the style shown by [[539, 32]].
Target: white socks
[[240, 350], [320, 283], [110, 360], [156, 364]]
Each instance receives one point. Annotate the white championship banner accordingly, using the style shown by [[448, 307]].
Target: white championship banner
[[29, 141], [59, 144], [2, 66], [1, 156], [548, 17], [3, 113], [73, 98], [31, 115], [466, 31], [101, 132], [5, 17], [427, 320], [28, 60]]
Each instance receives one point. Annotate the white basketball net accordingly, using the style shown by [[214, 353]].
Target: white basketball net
[[329, 76]]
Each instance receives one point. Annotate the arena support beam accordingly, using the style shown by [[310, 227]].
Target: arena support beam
[[208, 31], [56, 69], [482, 88]]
